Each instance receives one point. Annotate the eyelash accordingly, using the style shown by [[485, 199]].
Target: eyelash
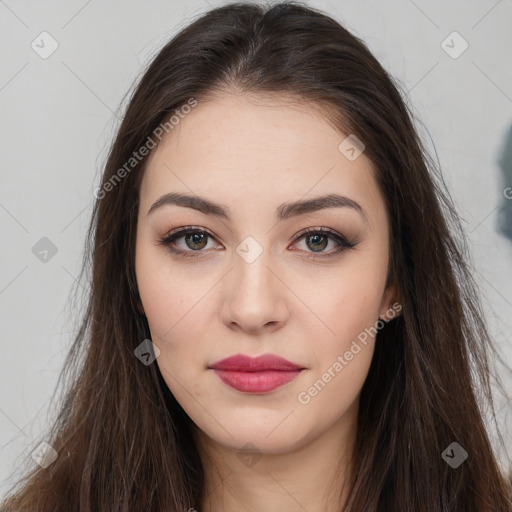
[[343, 243]]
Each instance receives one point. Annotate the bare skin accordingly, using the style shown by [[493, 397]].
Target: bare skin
[[267, 451]]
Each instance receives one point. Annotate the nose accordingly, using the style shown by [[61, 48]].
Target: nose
[[255, 296]]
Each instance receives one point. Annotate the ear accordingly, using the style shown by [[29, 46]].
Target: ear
[[140, 307], [390, 306]]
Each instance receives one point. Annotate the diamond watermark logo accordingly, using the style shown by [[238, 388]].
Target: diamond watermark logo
[[454, 455], [147, 352], [44, 250], [454, 45], [249, 249], [44, 45], [44, 455], [249, 455], [351, 147]]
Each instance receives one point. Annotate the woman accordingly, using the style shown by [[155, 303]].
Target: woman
[[280, 316]]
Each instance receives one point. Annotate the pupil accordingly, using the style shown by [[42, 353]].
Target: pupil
[[316, 239], [196, 238]]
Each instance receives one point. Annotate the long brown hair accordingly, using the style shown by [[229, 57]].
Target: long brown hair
[[125, 444]]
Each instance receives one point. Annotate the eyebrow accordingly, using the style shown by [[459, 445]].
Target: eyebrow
[[283, 212]]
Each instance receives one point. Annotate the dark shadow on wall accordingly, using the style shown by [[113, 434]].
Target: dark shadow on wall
[[504, 219]]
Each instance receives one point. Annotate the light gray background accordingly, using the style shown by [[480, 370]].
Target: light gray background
[[59, 114]]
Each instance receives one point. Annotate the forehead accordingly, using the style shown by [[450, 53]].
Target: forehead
[[247, 147]]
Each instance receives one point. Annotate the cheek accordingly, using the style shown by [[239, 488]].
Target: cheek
[[348, 302], [171, 305], [179, 313], [342, 359], [350, 308], [167, 293]]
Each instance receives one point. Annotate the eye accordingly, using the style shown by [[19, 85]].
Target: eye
[[196, 239], [318, 239]]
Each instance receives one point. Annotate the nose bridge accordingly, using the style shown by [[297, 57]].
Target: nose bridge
[[252, 277], [255, 295]]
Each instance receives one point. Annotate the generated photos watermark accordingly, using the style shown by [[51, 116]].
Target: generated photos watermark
[[304, 397], [143, 151]]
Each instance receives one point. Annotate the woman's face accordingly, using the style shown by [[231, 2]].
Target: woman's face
[[252, 281]]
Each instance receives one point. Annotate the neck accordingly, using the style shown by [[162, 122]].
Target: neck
[[311, 476]]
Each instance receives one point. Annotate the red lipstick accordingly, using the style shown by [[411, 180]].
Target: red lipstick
[[260, 374]]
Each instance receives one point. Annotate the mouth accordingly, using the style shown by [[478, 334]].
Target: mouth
[[255, 375]]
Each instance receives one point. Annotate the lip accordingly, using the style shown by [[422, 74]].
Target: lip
[[260, 374], [243, 363]]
